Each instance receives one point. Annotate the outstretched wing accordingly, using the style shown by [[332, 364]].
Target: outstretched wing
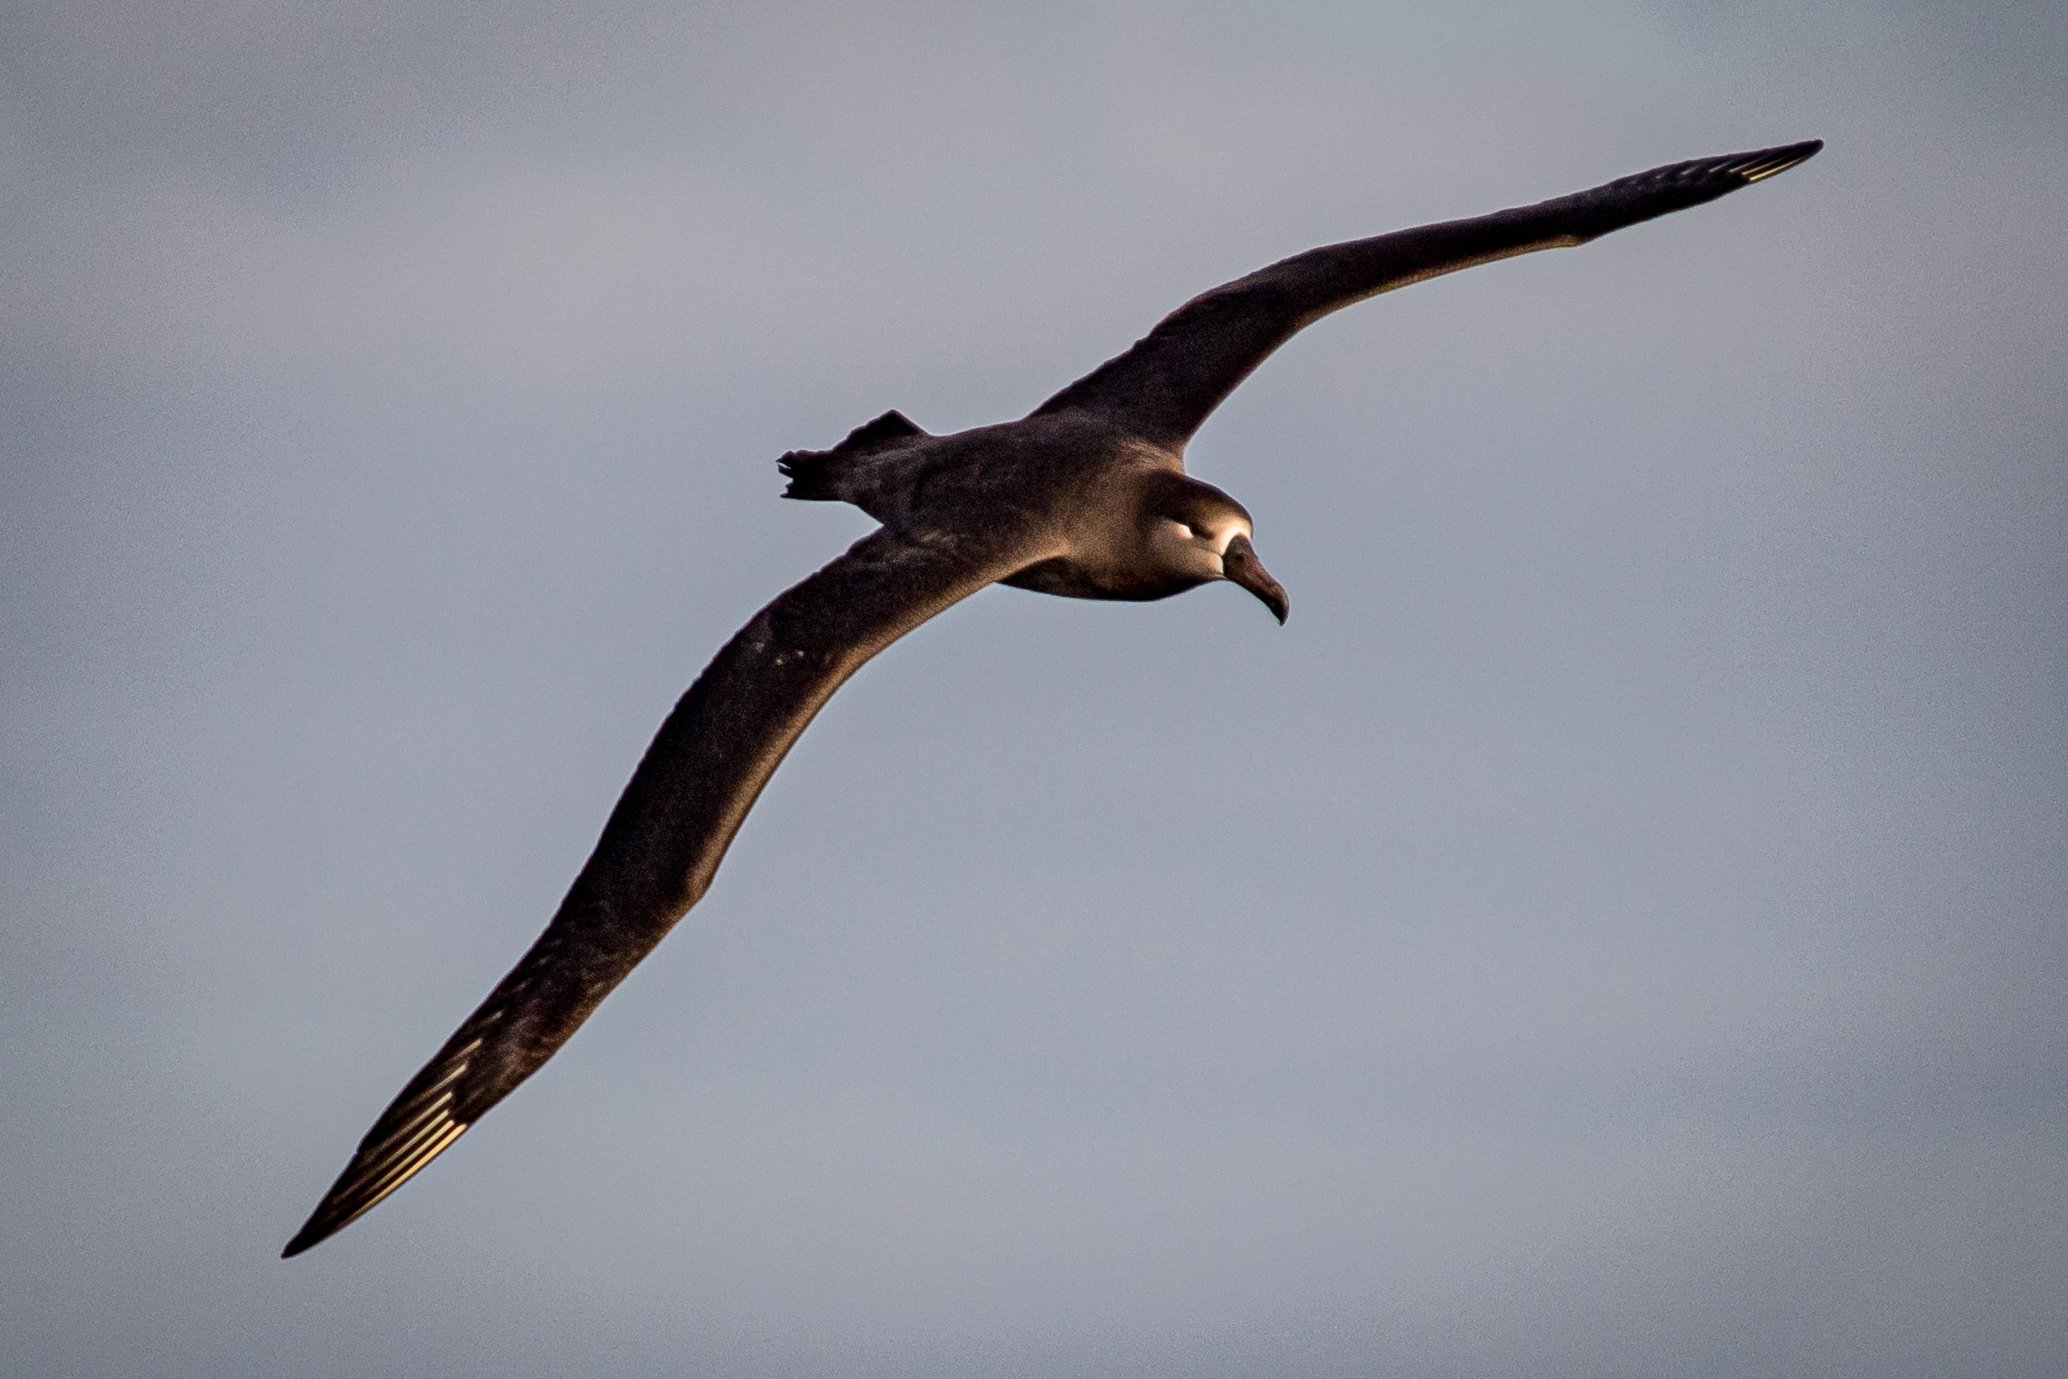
[[665, 838], [1165, 386]]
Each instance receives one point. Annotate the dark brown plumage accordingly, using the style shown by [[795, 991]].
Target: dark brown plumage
[[1086, 497]]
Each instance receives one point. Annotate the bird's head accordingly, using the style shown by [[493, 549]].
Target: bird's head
[[1199, 533]]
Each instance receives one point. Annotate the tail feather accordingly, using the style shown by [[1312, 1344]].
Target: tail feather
[[810, 473], [821, 474]]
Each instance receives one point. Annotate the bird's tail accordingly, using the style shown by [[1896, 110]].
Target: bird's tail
[[823, 474], [811, 474]]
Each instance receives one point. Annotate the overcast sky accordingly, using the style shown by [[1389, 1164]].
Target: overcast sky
[[1616, 927]]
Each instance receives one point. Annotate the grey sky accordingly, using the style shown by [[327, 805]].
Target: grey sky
[[1615, 927]]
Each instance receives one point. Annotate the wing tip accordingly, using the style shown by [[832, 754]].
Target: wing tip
[[303, 1239], [1676, 186], [1706, 178], [1763, 163], [317, 1229], [369, 1180]]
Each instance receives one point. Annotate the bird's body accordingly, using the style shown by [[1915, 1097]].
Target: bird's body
[[1078, 480], [1062, 474], [1087, 497]]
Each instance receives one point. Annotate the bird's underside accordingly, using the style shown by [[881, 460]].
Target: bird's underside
[[1085, 497]]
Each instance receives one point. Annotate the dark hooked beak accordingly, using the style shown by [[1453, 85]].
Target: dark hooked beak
[[1241, 565]]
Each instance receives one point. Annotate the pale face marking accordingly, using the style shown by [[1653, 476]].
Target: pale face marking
[[1198, 550]]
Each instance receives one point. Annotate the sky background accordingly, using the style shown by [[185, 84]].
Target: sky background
[[1616, 928]]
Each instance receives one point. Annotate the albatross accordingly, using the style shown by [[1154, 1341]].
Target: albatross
[[1086, 497]]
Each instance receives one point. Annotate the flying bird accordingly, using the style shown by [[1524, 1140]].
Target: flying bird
[[1086, 497]]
